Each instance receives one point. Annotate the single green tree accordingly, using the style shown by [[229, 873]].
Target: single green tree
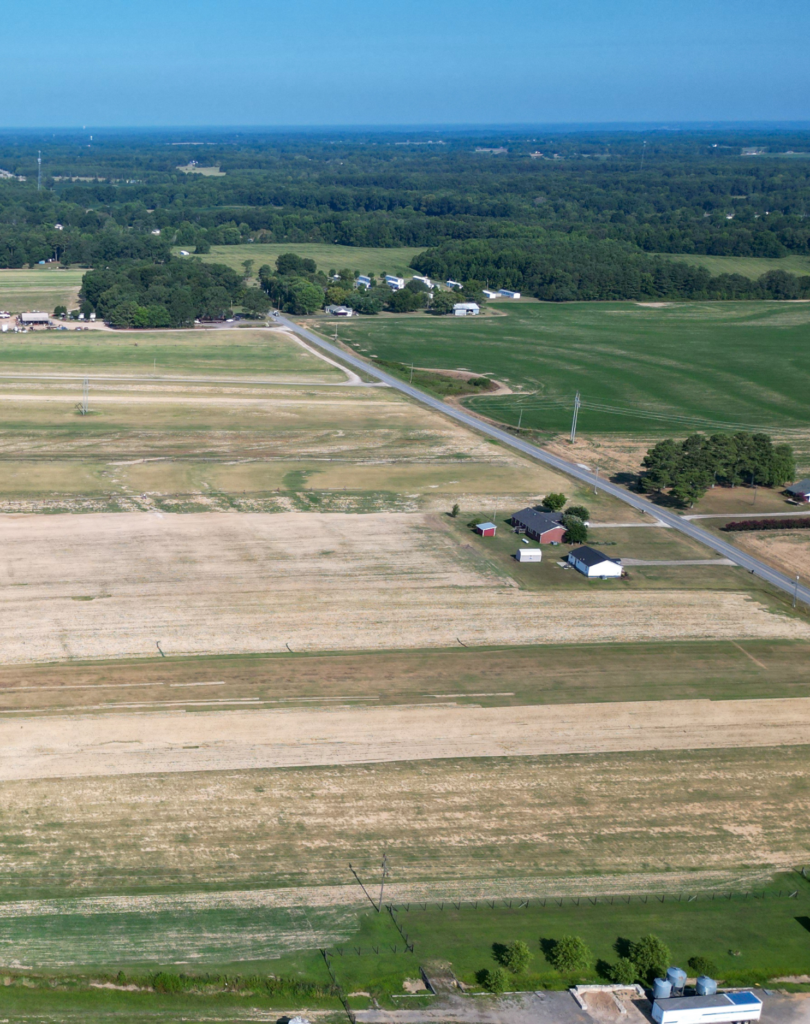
[[570, 955], [495, 980], [576, 532], [516, 957], [702, 965], [455, 510], [651, 956], [60, 311], [442, 303], [202, 247], [579, 511], [623, 972], [554, 501]]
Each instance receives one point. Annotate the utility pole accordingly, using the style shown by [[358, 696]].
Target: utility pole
[[411, 380], [796, 591], [520, 419], [577, 404], [595, 491], [39, 169], [84, 408], [382, 884]]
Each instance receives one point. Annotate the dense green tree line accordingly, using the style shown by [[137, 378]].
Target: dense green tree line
[[575, 267], [688, 468], [695, 193]]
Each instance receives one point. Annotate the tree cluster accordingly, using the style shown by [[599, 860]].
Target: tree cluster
[[171, 294], [558, 268], [688, 468], [745, 525]]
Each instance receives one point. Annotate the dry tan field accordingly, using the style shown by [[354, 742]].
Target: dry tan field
[[474, 824], [789, 552], [166, 741], [112, 586]]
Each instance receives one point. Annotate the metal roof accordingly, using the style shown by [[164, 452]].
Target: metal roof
[[694, 1002], [537, 522], [485, 526], [590, 556]]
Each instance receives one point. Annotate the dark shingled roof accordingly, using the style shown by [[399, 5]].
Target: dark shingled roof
[[802, 487], [590, 556], [537, 522]]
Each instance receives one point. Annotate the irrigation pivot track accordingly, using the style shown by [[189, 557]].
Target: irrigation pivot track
[[688, 527]]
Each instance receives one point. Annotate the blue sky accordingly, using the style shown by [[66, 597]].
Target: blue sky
[[319, 62]]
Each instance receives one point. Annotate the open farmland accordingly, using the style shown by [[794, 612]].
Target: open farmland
[[40, 288], [748, 266], [110, 586], [641, 369], [327, 257]]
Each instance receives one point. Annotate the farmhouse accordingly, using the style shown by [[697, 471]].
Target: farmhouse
[[593, 563], [545, 527], [340, 311], [486, 529], [801, 490], [31, 319], [505, 293], [466, 309]]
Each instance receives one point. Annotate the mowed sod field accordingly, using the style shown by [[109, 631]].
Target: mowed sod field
[[642, 370], [327, 257], [748, 266], [40, 288]]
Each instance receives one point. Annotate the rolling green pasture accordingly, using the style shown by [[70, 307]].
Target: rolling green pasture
[[748, 266], [327, 257], [640, 369], [40, 288]]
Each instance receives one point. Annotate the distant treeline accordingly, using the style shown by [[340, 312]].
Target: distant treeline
[[687, 469], [695, 193], [571, 267]]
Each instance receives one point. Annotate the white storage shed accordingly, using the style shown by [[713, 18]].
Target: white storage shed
[[723, 1008], [529, 555], [593, 563]]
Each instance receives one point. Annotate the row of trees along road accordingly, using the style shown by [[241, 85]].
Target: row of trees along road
[[688, 468]]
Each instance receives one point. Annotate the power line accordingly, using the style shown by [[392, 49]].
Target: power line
[[577, 404]]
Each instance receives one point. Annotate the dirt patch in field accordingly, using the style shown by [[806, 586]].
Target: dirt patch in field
[[111, 586], [174, 741]]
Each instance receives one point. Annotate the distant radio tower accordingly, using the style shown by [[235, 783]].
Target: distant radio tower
[[643, 151], [39, 170]]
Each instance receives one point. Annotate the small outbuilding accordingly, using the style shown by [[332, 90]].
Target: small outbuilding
[[364, 280], [506, 293], [545, 527], [452, 284], [529, 555], [593, 563], [490, 294], [396, 284], [466, 309], [34, 319], [800, 490], [486, 529], [340, 311]]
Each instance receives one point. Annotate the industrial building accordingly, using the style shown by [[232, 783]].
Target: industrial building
[[593, 563], [545, 527], [722, 1007], [466, 309], [486, 529], [34, 319]]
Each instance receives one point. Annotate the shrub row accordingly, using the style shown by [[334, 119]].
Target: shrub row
[[768, 524]]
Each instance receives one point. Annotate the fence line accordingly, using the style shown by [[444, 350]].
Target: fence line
[[519, 903]]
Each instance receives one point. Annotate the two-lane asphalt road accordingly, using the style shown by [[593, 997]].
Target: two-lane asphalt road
[[688, 527]]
